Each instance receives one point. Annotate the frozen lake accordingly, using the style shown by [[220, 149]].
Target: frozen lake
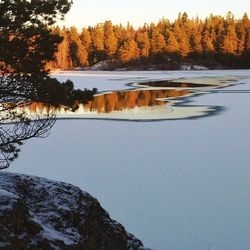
[[175, 184]]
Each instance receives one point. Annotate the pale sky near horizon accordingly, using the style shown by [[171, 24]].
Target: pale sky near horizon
[[137, 12]]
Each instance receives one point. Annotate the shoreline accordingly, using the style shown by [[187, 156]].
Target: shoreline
[[57, 71]]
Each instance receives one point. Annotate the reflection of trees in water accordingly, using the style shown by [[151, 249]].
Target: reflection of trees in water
[[120, 100], [173, 84]]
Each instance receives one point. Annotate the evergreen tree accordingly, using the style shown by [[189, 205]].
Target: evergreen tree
[[244, 32], [120, 33], [86, 39], [143, 42], [172, 45], [206, 42], [164, 26], [219, 27], [97, 35], [78, 52], [62, 57], [195, 39], [110, 41], [130, 32], [182, 39], [230, 41], [186, 38], [129, 51], [158, 43]]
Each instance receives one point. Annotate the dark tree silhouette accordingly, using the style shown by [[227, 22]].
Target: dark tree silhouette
[[13, 135], [27, 44], [27, 41]]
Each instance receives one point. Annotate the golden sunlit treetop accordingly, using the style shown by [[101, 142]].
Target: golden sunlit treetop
[[215, 41]]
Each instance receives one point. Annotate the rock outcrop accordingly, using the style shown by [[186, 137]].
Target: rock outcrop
[[102, 65], [37, 213]]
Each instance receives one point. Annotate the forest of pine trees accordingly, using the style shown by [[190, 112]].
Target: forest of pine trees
[[214, 42]]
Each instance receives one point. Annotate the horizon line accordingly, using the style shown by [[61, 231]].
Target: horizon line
[[62, 23]]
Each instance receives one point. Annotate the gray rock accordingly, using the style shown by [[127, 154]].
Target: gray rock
[[36, 213]]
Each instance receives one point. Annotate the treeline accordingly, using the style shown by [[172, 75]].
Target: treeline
[[214, 41]]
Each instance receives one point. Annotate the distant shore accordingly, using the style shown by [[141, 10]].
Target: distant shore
[[145, 68], [109, 66]]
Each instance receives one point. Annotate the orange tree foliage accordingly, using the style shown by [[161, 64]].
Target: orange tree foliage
[[129, 51], [215, 40]]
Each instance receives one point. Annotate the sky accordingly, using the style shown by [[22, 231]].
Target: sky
[[137, 12]]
